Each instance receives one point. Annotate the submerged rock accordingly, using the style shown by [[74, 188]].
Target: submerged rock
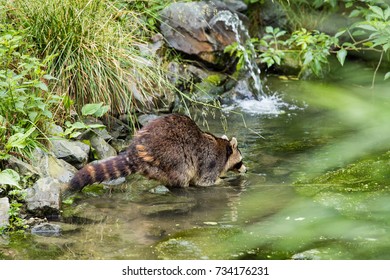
[[46, 229], [197, 243], [179, 249], [166, 204], [160, 209], [359, 190]]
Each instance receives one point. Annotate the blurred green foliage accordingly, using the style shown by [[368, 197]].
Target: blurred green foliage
[[368, 29]]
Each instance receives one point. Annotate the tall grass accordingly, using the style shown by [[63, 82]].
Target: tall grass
[[98, 56]]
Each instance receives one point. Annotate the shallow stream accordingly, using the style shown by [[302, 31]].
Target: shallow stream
[[317, 187]]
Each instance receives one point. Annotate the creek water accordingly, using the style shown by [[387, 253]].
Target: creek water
[[279, 209]]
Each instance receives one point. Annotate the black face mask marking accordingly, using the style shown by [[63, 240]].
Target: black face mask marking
[[237, 166], [229, 151]]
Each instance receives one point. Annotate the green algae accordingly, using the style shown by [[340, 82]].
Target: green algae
[[197, 243]]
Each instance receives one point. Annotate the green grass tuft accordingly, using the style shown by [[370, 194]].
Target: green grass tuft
[[98, 53]]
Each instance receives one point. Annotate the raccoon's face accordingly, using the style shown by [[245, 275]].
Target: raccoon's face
[[234, 160]]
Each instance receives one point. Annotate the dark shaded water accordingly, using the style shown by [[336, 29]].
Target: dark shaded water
[[281, 209]]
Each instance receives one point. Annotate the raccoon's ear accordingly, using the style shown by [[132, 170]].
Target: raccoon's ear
[[233, 142], [225, 137]]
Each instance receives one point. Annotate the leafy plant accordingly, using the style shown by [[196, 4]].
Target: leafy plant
[[242, 53], [26, 103], [310, 48], [313, 48], [96, 110], [25, 110], [271, 43], [375, 31], [9, 177], [10, 183], [371, 32]]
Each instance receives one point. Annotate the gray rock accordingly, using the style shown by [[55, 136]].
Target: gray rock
[[312, 254], [43, 199], [4, 209], [119, 144], [149, 50], [273, 14], [102, 132], [50, 166], [236, 5], [73, 152], [22, 167], [102, 148], [186, 75], [205, 29], [46, 229], [54, 130], [97, 130], [201, 28], [33, 221], [118, 128], [145, 119], [114, 182], [157, 44], [160, 189]]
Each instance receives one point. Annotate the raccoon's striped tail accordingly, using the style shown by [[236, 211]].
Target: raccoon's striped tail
[[108, 169]]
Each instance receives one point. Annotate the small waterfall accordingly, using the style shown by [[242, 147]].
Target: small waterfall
[[250, 74]]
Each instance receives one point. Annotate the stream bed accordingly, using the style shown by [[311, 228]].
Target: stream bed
[[317, 187]]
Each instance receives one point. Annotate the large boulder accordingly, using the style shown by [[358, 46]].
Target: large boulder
[[202, 29]]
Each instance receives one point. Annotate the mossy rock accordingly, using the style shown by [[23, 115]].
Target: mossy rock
[[360, 189], [197, 243], [363, 176]]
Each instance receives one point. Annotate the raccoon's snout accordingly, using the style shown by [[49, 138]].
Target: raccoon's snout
[[240, 167]]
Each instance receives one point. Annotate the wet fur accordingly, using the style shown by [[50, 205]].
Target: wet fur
[[171, 149]]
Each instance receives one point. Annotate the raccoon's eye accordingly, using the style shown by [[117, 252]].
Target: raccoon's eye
[[237, 165]]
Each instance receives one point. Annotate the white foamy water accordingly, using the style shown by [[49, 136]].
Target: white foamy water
[[266, 105], [243, 39]]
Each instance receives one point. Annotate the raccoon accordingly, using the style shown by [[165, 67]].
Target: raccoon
[[171, 149]]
